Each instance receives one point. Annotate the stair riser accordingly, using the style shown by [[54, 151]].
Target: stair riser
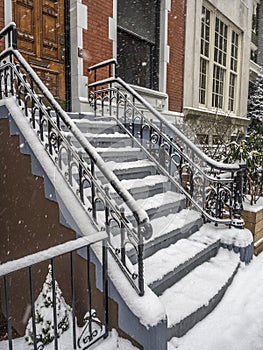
[[174, 276], [110, 143], [130, 174], [111, 156], [97, 128]]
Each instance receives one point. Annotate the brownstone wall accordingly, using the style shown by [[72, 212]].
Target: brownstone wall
[[2, 22], [96, 43], [28, 221], [175, 69]]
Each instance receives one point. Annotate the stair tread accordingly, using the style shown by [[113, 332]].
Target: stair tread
[[102, 136], [198, 287], [151, 180], [121, 150], [129, 165], [168, 259], [159, 200], [84, 121], [173, 221]]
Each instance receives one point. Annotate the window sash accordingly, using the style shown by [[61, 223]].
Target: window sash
[[218, 86], [203, 80], [219, 66]]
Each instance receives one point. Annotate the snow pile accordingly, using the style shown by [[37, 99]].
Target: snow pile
[[255, 207], [44, 314], [240, 240], [237, 322]]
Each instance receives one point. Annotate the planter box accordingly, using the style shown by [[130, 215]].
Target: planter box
[[253, 217]]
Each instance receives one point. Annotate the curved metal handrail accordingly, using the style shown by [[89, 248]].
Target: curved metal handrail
[[19, 79], [222, 192]]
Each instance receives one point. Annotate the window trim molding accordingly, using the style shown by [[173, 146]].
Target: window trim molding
[[214, 13]]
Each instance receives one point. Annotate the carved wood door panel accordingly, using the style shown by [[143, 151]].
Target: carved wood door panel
[[41, 40]]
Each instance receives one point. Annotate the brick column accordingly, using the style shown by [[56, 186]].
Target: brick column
[[2, 23], [175, 70]]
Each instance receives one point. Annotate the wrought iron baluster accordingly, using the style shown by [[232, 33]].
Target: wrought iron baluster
[[102, 103], [41, 119], [95, 103], [117, 103], [33, 315], [5, 80], [123, 234], [73, 297], [70, 165], [105, 285], [125, 111], [93, 192], [89, 299], [140, 262], [8, 316], [11, 81], [54, 305], [49, 137], [81, 182]]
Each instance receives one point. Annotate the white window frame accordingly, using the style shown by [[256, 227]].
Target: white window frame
[[226, 70]]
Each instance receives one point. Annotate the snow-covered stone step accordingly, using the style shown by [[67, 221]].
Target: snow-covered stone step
[[130, 170], [145, 187], [97, 126], [159, 205], [124, 154], [196, 295], [168, 230], [115, 140], [162, 204], [139, 188], [167, 266]]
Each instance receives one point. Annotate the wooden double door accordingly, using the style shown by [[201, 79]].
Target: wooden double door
[[41, 40]]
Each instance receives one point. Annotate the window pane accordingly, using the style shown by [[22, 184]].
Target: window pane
[[202, 81], [220, 42], [218, 87], [139, 17], [205, 32], [234, 51], [231, 101], [134, 68]]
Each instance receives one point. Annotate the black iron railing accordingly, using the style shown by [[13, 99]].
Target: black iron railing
[[213, 188], [26, 271], [82, 167]]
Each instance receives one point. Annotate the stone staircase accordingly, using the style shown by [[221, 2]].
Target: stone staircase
[[185, 263], [186, 268]]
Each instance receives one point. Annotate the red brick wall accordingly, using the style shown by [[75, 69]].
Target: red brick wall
[[175, 69], [2, 21], [96, 43]]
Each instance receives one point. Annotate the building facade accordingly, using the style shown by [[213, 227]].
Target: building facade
[[188, 56]]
